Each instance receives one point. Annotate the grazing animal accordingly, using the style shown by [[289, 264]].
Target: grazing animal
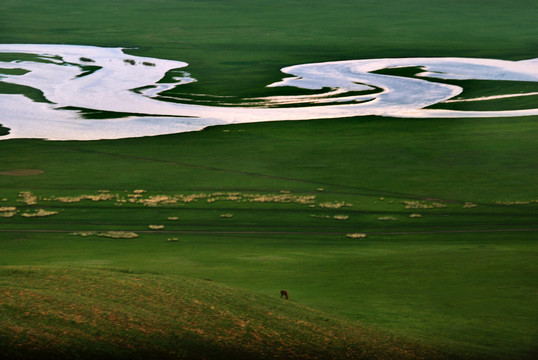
[[284, 293]]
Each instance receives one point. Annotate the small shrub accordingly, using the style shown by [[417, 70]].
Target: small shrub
[[129, 61], [86, 59], [146, 63]]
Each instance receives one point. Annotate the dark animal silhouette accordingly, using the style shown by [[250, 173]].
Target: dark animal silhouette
[[284, 293]]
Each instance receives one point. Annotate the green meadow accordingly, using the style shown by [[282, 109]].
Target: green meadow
[[395, 238]]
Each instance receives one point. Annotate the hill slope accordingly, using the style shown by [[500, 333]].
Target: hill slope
[[81, 313]]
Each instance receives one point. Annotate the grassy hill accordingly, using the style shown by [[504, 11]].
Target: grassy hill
[[61, 313]]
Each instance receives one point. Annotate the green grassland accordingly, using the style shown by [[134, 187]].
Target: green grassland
[[170, 317], [460, 278]]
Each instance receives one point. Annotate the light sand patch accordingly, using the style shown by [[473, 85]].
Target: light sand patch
[[282, 198], [413, 204], [22, 172], [334, 205], [356, 235], [8, 211], [28, 197], [7, 214], [156, 227], [119, 234], [72, 199], [40, 213]]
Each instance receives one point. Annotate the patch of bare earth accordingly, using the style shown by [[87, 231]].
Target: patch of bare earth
[[22, 172]]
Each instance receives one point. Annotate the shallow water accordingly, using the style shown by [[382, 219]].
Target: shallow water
[[104, 79]]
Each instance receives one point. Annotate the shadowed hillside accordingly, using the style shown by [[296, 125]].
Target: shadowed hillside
[[80, 313]]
